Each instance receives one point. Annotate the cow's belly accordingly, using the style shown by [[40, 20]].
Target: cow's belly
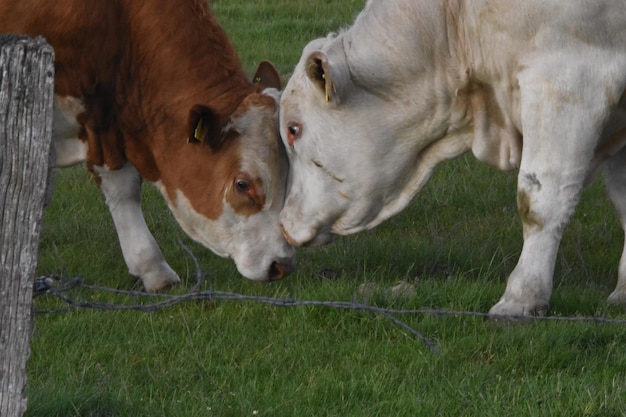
[[70, 150]]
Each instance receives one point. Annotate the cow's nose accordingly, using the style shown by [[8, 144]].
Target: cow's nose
[[281, 268]]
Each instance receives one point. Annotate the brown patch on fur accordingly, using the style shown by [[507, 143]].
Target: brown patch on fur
[[248, 202], [202, 174], [530, 220]]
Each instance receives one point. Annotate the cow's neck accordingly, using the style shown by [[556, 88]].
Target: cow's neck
[[414, 73], [188, 51], [400, 50], [436, 57]]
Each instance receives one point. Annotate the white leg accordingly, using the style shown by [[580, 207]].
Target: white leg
[[615, 181], [122, 190], [545, 207], [559, 141]]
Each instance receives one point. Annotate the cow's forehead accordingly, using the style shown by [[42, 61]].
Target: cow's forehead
[[258, 105]]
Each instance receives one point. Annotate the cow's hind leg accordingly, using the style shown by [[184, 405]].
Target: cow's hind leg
[[615, 181], [122, 190]]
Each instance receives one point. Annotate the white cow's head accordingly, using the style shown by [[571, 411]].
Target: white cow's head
[[349, 142], [227, 186]]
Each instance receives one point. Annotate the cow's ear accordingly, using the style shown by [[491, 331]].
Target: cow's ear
[[267, 76], [205, 127], [318, 70]]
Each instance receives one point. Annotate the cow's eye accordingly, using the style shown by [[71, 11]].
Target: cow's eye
[[242, 185], [294, 130]]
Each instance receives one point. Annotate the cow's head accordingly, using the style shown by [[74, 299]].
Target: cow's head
[[335, 182], [227, 184], [354, 137]]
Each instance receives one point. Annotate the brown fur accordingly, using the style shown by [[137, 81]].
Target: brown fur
[[140, 67]]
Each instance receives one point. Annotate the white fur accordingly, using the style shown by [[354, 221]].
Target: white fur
[[69, 149], [253, 242], [122, 191], [418, 82], [244, 239]]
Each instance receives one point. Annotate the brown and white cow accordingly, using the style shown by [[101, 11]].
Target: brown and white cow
[[153, 89], [534, 85]]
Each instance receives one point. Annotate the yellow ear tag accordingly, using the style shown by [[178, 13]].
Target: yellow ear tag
[[326, 93], [197, 134]]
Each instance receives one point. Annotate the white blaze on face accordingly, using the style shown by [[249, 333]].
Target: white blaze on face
[[253, 242], [204, 231]]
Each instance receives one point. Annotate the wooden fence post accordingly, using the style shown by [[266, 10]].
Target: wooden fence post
[[26, 96]]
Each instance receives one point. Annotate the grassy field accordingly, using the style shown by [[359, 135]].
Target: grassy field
[[456, 244]]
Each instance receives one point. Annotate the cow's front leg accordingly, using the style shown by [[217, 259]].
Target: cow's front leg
[[122, 191], [562, 121], [544, 212]]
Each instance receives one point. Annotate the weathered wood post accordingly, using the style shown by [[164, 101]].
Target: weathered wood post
[[26, 95]]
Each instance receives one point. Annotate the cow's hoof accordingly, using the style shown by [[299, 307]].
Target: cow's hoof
[[618, 296], [160, 279], [518, 310]]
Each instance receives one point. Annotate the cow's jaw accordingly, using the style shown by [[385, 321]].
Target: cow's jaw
[[298, 233], [335, 211], [304, 227]]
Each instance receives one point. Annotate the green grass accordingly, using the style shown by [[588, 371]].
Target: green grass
[[457, 243]]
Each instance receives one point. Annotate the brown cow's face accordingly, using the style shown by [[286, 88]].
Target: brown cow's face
[[228, 198]]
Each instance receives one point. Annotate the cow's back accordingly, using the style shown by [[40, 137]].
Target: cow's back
[[120, 59], [85, 36]]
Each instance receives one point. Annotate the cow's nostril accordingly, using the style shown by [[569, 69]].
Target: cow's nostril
[[281, 268]]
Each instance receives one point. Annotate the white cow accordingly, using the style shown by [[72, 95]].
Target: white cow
[[534, 85]]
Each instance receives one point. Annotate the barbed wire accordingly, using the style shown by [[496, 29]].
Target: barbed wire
[[169, 300], [58, 287]]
